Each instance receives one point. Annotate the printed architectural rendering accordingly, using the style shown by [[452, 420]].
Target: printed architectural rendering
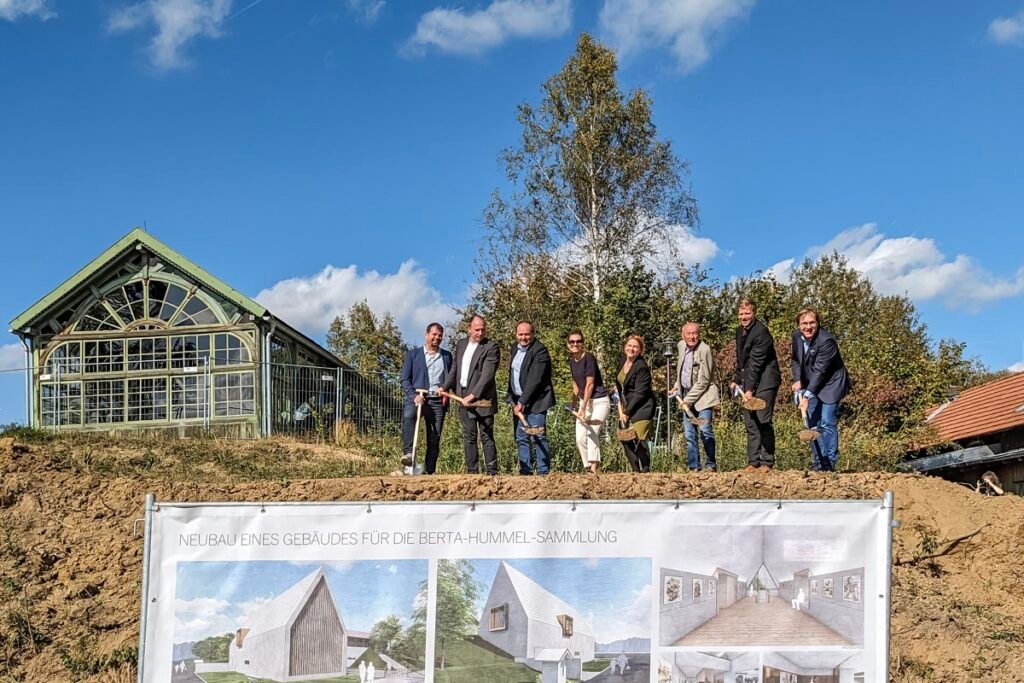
[[764, 585], [709, 667], [525, 629], [525, 620], [298, 634], [842, 666]]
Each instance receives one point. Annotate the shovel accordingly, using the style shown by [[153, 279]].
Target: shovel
[[409, 459], [530, 431], [589, 423], [698, 422], [479, 403], [807, 434], [753, 403]]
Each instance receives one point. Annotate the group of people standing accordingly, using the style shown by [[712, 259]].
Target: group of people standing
[[432, 377]]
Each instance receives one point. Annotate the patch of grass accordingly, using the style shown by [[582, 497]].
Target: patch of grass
[[81, 662], [25, 434], [596, 664], [467, 662], [1007, 635]]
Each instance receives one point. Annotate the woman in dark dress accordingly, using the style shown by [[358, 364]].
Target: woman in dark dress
[[636, 402]]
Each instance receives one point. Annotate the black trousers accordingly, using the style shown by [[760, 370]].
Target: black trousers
[[474, 425], [761, 431], [638, 455], [433, 411]]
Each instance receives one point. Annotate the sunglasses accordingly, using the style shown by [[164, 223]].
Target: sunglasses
[[575, 341]]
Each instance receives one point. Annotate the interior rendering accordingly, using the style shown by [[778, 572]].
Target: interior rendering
[[765, 586], [839, 666], [709, 667]]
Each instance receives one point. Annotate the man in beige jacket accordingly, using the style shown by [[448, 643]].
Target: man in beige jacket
[[698, 393]]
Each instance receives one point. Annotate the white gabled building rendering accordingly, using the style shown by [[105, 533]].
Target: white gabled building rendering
[[523, 619], [299, 635]]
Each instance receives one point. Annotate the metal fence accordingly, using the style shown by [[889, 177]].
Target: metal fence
[[307, 402], [328, 403]]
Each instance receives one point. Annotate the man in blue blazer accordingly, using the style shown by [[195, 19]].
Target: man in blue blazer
[[531, 394], [821, 380], [425, 367]]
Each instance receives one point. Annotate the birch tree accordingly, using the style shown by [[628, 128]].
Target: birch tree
[[590, 182]]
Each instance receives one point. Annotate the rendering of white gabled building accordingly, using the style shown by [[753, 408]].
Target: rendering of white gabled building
[[299, 635], [523, 619]]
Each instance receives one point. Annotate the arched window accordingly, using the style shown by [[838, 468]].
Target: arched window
[[148, 304]]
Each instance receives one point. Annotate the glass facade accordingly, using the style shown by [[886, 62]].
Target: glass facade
[[150, 350]]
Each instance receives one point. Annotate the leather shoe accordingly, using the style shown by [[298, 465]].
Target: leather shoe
[[407, 459]]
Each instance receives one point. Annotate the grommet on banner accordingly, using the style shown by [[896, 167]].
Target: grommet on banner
[[574, 506], [263, 507], [779, 506], [472, 506], [677, 504], [369, 508]]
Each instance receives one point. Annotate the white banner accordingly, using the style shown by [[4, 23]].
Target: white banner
[[666, 592]]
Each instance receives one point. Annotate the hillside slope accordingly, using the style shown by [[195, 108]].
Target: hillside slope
[[70, 565]]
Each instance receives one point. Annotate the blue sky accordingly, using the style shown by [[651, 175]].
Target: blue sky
[[613, 593], [213, 598], [316, 153]]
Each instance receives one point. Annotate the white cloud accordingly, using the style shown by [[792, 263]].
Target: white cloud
[[690, 248], [782, 271], [686, 27], [12, 10], [367, 10], [12, 357], [1017, 367], [680, 244], [203, 617], [1007, 30], [312, 302], [915, 266], [458, 31], [177, 23]]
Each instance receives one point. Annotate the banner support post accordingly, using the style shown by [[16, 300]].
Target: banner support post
[[888, 503], [150, 504]]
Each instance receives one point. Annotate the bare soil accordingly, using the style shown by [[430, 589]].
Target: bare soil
[[70, 562]]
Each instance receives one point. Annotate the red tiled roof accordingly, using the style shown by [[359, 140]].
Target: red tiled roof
[[986, 409]]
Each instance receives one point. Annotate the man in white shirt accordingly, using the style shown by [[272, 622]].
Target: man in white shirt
[[472, 378]]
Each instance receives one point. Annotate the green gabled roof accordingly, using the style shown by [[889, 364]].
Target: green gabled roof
[[121, 247]]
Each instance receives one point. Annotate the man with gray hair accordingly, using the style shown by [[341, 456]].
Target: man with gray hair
[[697, 393]]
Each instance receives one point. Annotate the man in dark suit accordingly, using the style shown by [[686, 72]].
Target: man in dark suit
[[820, 379], [425, 369], [757, 374], [531, 394], [472, 378]]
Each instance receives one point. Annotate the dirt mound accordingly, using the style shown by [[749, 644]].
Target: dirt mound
[[70, 566]]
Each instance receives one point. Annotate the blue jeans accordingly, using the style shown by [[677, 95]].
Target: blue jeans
[[824, 451], [524, 442], [707, 437]]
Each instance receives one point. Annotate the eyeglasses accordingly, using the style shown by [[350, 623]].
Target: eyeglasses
[[575, 341]]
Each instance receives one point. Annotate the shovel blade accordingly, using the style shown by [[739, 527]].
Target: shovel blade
[[754, 404], [808, 435]]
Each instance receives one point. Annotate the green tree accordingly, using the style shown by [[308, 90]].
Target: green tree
[[592, 184], [385, 632], [365, 342], [457, 593], [214, 648]]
